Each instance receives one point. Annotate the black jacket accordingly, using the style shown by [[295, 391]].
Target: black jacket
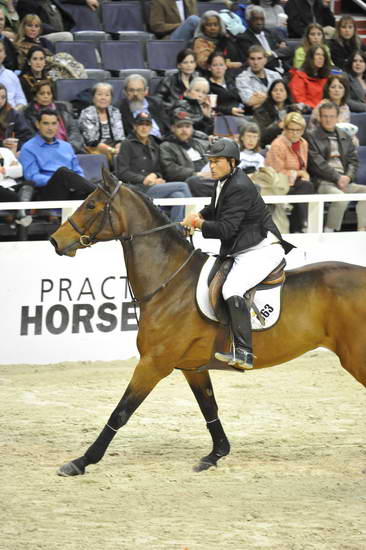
[[11, 59], [341, 53], [301, 14], [74, 136], [136, 160], [319, 155], [175, 163], [171, 89], [249, 38], [228, 97], [241, 218], [156, 109], [200, 121]]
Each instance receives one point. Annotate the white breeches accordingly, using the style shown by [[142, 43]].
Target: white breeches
[[251, 267]]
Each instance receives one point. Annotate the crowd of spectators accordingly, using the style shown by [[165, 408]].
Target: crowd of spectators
[[287, 97]]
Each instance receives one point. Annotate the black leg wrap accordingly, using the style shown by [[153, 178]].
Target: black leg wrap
[[98, 448], [221, 446]]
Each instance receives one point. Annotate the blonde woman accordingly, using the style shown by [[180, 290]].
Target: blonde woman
[[288, 155], [29, 35]]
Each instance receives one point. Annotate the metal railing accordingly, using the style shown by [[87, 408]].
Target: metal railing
[[315, 212]]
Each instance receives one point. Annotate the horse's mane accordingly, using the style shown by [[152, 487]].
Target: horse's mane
[[169, 234]]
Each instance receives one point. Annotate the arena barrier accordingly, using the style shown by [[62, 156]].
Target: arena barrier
[[57, 309]]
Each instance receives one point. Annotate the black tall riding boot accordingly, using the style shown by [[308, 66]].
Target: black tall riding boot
[[241, 355]]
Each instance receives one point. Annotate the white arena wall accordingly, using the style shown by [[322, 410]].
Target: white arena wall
[[56, 309]]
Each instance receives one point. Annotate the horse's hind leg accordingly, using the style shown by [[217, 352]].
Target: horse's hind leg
[[200, 384], [144, 379]]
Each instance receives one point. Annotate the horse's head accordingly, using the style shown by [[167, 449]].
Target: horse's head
[[95, 220]]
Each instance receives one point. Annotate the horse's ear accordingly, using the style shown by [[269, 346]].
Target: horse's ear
[[107, 180]]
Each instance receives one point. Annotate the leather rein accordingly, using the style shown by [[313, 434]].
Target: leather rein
[[106, 215]]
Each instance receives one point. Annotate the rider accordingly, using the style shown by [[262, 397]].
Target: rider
[[238, 216]]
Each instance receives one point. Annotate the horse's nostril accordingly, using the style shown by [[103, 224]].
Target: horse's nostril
[[54, 243]]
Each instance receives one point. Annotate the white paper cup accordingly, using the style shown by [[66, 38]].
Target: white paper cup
[[213, 100], [282, 18]]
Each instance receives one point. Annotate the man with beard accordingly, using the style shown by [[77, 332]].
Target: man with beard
[[137, 101], [183, 156], [138, 163]]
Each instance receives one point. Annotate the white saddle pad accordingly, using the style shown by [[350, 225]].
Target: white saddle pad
[[268, 301]]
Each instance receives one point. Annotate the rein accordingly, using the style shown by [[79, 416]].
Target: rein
[[88, 240]]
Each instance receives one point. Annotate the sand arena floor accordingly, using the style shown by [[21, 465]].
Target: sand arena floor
[[295, 479]]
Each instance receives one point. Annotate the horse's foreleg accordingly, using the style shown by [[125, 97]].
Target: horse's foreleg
[[200, 384], [144, 379]]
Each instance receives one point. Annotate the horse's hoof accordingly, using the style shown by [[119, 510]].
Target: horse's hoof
[[71, 469], [203, 465]]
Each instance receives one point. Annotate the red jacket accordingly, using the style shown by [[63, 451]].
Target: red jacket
[[306, 89]]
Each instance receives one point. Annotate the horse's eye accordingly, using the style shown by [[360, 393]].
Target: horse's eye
[[90, 205]]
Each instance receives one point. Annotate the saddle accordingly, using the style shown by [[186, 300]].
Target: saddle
[[218, 276]]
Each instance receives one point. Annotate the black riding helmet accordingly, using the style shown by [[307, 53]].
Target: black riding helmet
[[224, 147]]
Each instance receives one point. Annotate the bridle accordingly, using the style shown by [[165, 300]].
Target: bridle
[[106, 216]]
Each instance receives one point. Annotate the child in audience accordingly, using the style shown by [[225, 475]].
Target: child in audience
[[249, 141]]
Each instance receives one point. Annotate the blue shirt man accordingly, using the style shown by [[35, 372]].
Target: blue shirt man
[[51, 163]]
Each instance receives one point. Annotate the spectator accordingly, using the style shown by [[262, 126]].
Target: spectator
[[52, 164], [303, 12], [29, 32], [9, 79], [33, 71], [269, 116], [222, 84], [253, 83], [346, 41], [333, 164], [183, 156], [174, 85], [196, 103], [288, 155], [337, 91], [274, 14], [314, 36], [11, 61], [307, 84], [138, 101], [249, 142], [67, 129], [272, 42], [138, 163], [176, 21], [101, 123], [12, 188], [14, 130], [210, 36], [356, 76]]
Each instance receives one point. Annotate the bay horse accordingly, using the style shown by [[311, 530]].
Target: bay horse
[[324, 304]]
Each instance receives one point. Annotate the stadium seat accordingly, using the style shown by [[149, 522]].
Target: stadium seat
[[122, 16], [206, 6], [85, 18], [361, 175], [118, 92], [226, 125], [360, 120], [68, 89], [92, 166], [146, 73], [154, 83], [84, 52], [162, 54], [91, 36], [117, 55]]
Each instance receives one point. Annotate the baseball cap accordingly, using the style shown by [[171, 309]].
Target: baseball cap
[[142, 118], [182, 117]]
